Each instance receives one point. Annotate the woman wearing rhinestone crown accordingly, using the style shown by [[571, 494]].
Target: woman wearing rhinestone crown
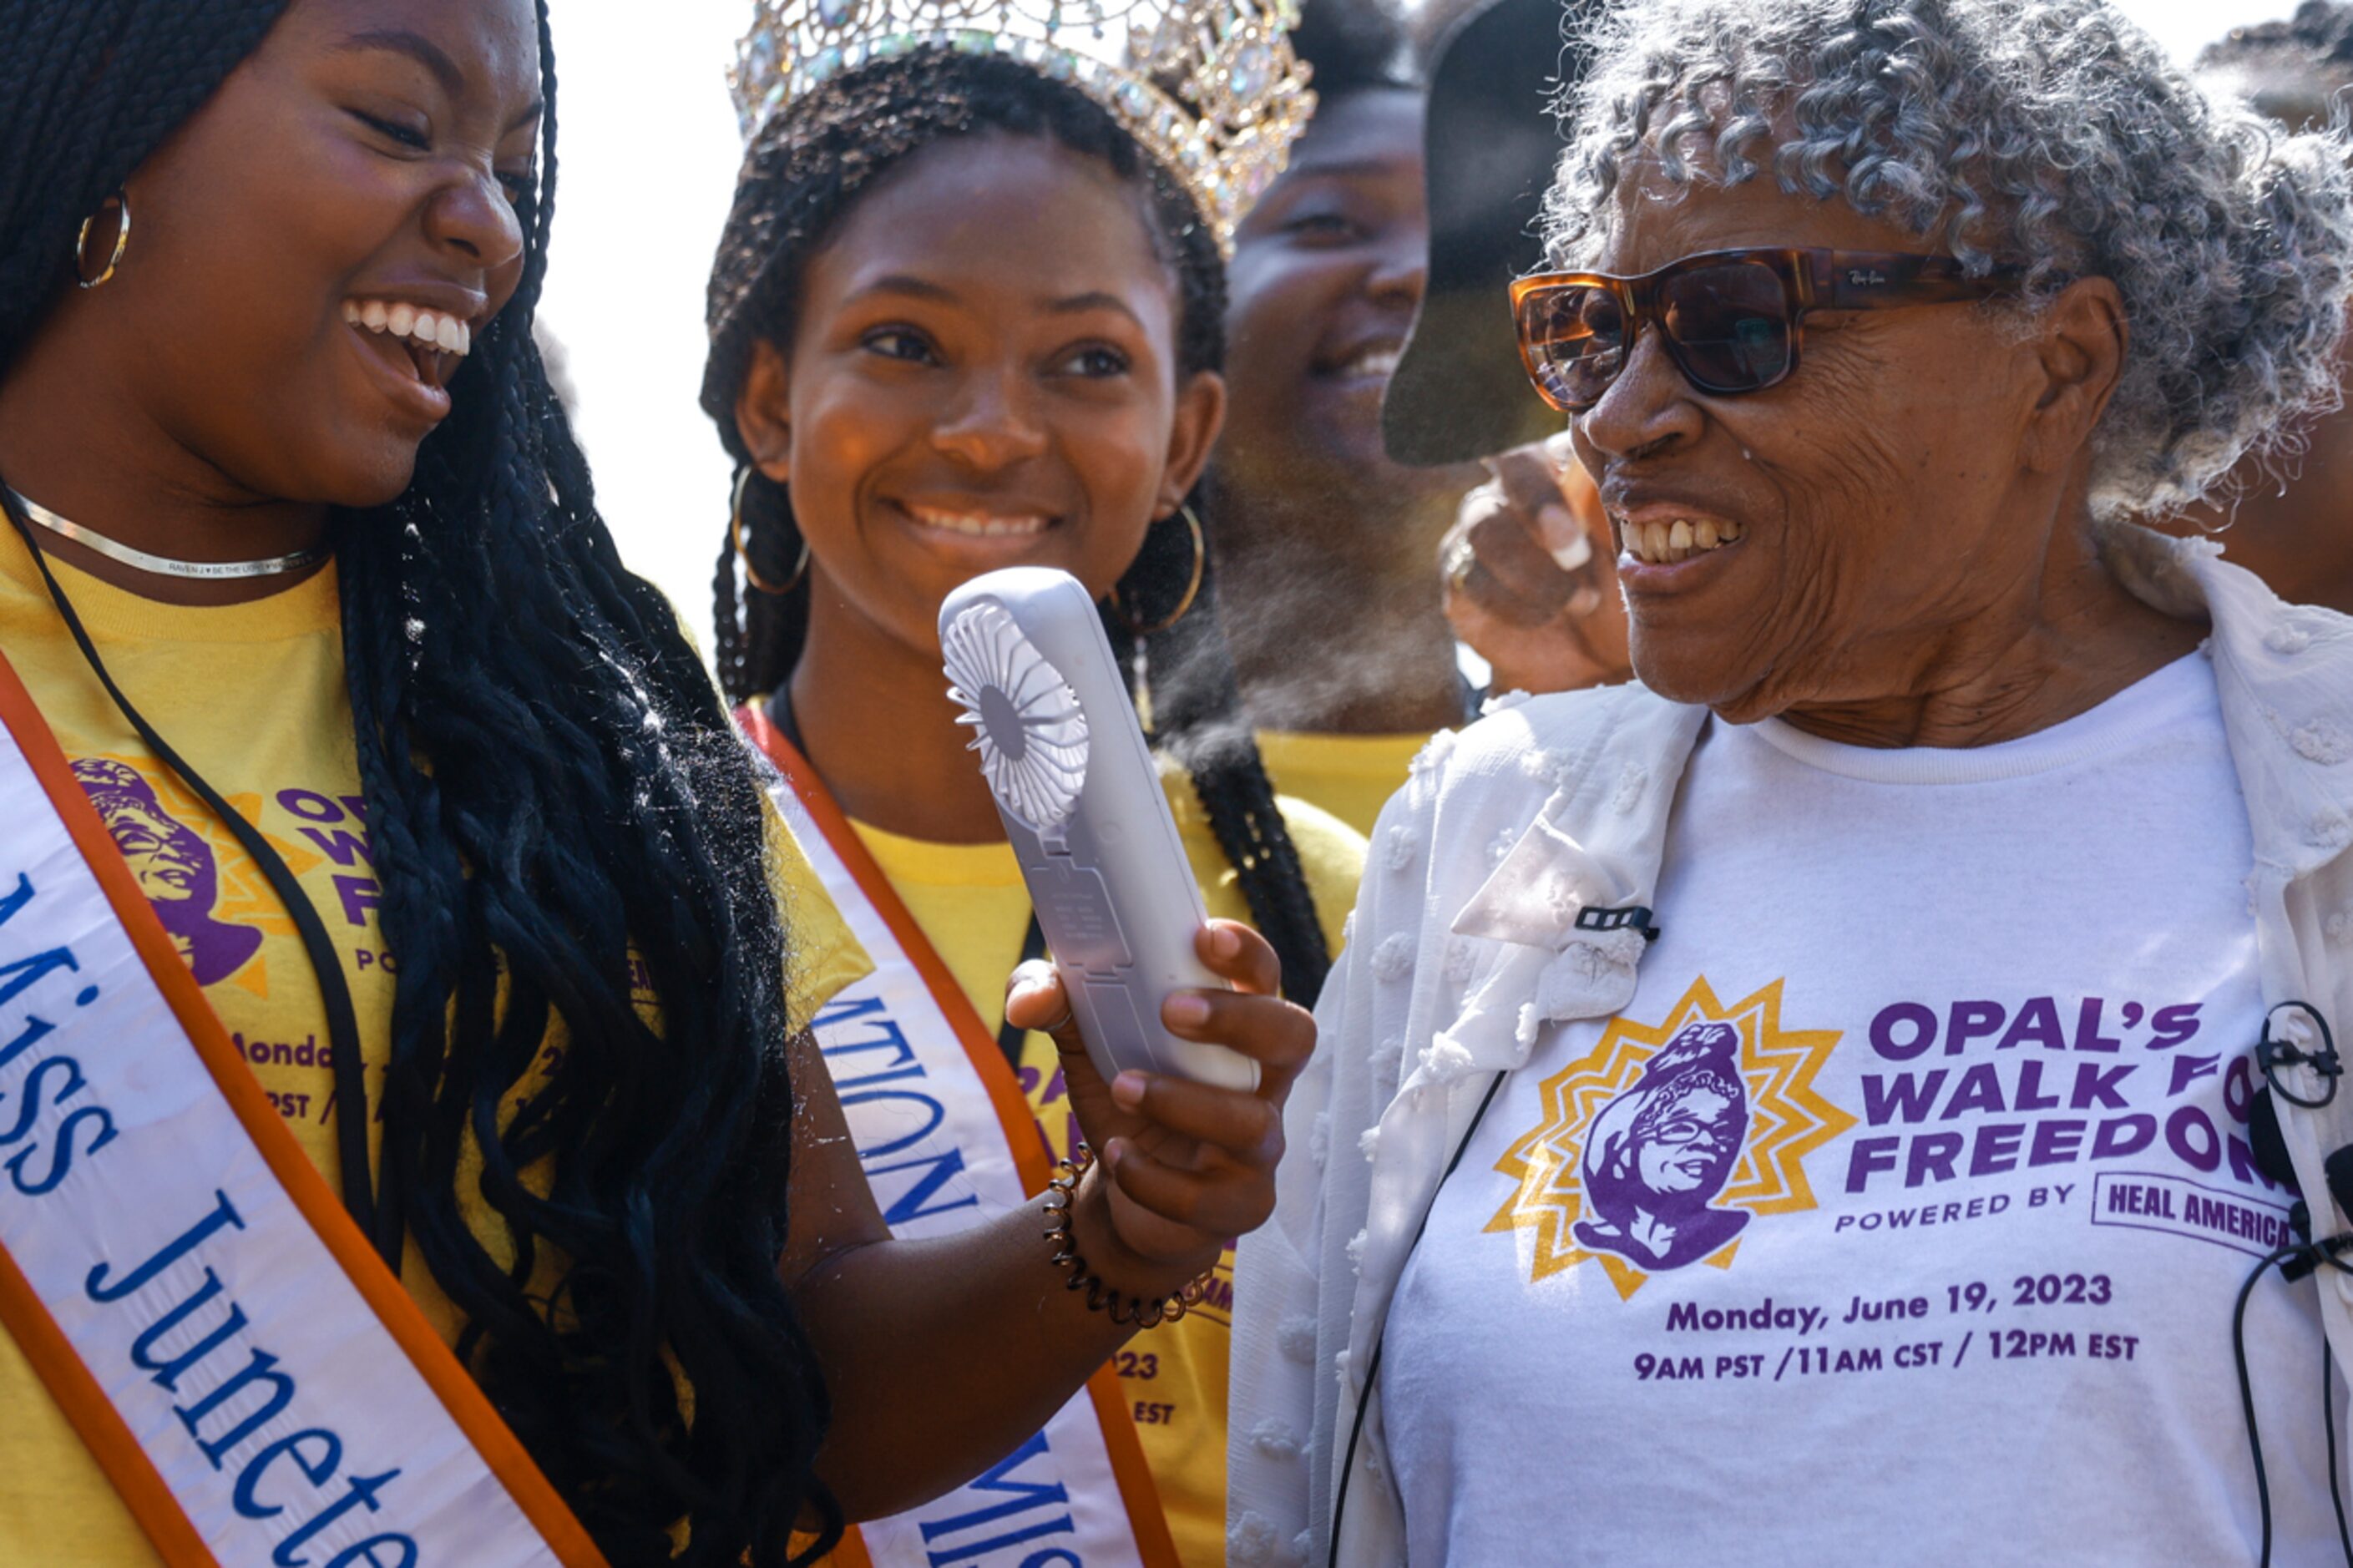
[[411, 1150], [966, 314]]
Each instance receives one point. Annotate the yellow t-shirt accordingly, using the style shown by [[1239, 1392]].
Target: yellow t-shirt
[[253, 697], [1350, 776], [970, 901]]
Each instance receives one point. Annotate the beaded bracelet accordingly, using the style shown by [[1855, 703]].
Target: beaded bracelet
[[1101, 1297]]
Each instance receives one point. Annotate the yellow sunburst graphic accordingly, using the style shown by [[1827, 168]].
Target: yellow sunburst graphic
[[1786, 1120]]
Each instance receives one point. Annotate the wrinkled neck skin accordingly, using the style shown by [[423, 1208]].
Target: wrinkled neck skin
[[2011, 659], [1332, 641]]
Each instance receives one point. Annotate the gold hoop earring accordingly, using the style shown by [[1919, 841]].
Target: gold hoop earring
[[744, 556], [1192, 588], [121, 201]]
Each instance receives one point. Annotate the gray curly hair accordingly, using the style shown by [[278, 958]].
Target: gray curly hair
[[2050, 133]]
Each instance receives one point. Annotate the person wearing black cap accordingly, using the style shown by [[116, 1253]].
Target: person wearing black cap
[[1525, 569]]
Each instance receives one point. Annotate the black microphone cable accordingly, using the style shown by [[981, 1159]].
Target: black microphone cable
[[2297, 1259], [2247, 1394], [2301, 1256], [1380, 1341], [2328, 1424]]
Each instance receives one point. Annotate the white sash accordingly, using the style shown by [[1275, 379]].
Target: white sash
[[946, 1141], [252, 1378]]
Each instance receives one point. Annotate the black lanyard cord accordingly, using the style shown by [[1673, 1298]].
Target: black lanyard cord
[[1381, 1338], [381, 1223]]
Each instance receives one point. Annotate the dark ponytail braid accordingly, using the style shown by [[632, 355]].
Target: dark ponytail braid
[[803, 173], [554, 791]]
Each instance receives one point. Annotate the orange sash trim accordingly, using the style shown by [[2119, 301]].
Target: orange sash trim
[[110, 1442], [37, 1335], [1137, 1489]]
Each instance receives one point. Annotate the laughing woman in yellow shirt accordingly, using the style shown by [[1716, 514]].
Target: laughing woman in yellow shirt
[[432, 799], [964, 318]]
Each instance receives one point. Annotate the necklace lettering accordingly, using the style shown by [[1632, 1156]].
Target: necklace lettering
[[164, 565]]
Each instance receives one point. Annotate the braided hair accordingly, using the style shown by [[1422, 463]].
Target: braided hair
[[552, 791], [802, 174]]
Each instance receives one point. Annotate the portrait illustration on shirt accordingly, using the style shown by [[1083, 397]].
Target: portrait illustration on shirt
[[1660, 1153], [1659, 1147], [174, 866]]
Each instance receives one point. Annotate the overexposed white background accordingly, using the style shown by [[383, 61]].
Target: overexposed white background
[[649, 149]]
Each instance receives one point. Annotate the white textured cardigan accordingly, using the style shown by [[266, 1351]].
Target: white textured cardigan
[[1465, 945]]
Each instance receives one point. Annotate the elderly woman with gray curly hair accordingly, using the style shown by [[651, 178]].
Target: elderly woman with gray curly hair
[[1848, 1095]]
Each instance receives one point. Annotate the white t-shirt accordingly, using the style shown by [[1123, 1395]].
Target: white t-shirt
[[1901, 1214]]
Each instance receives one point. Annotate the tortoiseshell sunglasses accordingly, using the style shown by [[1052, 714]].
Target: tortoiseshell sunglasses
[[1729, 320]]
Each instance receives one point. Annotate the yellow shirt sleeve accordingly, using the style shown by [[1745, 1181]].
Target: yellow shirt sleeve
[[821, 955], [1330, 854]]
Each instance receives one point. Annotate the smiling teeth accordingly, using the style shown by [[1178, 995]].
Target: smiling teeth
[[1381, 363], [1663, 543], [427, 329], [977, 525]]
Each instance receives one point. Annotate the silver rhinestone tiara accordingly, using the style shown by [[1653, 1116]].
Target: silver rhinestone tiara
[[1211, 88]]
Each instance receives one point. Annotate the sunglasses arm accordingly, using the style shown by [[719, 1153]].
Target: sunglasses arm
[[1878, 279]]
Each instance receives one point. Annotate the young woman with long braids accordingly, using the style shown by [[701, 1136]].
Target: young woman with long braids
[[343, 764], [963, 319]]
